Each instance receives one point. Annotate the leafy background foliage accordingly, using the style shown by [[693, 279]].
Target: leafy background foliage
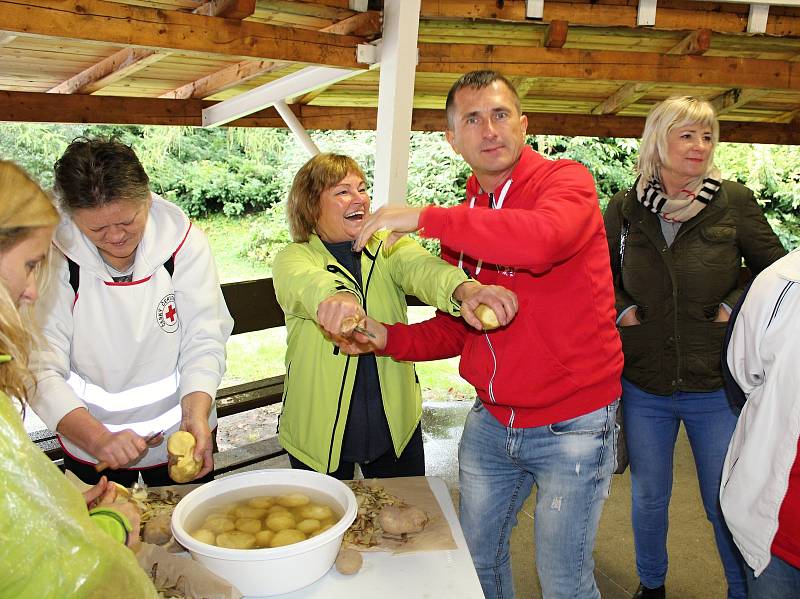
[[246, 173]]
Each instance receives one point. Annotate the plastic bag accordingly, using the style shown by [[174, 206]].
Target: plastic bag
[[49, 547]]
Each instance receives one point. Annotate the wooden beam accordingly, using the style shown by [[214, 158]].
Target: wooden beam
[[129, 25], [229, 9], [366, 24], [522, 85], [556, 34], [696, 43], [45, 108], [624, 96], [733, 98], [610, 65], [678, 16]]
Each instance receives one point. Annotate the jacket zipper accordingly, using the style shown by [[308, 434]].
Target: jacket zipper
[[345, 273]]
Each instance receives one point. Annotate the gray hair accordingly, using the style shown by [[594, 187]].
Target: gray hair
[[677, 111]]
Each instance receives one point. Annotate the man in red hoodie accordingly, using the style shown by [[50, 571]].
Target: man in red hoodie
[[548, 381]]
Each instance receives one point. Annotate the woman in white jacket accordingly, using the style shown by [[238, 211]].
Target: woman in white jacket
[[135, 320], [760, 492]]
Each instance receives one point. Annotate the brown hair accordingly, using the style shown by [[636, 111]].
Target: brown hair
[[476, 80], [95, 172], [24, 207], [314, 177]]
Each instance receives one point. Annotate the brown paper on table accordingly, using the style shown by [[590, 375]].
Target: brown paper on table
[[174, 574], [415, 491]]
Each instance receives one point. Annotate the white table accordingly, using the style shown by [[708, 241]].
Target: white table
[[429, 574]]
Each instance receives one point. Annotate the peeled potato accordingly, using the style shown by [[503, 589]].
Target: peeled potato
[[180, 446], [293, 500], [308, 526], [205, 536], [287, 537], [317, 512], [276, 509], [280, 521], [251, 525], [264, 538], [219, 525], [249, 512], [348, 561], [487, 317], [262, 503], [236, 539]]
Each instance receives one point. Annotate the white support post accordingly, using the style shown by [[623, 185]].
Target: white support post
[[757, 22], [534, 9], [395, 100], [646, 16], [297, 128]]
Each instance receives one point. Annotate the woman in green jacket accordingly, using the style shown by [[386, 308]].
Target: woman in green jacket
[[51, 546], [341, 410], [677, 240]]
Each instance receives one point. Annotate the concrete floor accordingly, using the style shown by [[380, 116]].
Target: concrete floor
[[695, 570]]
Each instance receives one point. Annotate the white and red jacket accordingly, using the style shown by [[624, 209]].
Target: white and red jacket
[[561, 356], [128, 352]]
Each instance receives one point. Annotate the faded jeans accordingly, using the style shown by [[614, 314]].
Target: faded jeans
[[651, 428], [781, 580], [571, 463]]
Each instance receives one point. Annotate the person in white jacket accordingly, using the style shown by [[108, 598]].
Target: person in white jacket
[[760, 492], [135, 321]]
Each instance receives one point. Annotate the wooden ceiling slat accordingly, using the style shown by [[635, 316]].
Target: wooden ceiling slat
[[624, 96], [115, 23], [734, 98], [696, 43]]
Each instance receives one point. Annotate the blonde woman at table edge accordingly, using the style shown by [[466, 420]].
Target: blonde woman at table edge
[[52, 545]]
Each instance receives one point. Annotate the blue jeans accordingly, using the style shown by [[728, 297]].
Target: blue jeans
[[780, 580], [651, 428], [570, 462]]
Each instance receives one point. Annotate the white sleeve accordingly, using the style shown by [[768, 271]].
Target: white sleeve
[[54, 398], [744, 350], [206, 323]]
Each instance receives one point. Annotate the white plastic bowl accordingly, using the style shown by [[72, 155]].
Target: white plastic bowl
[[263, 572]]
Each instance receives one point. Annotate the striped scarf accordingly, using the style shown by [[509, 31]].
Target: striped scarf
[[687, 203]]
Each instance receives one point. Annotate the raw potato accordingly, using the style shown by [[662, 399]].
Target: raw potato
[[157, 530], [236, 539], [180, 446], [487, 317], [293, 500], [276, 509], [348, 561], [251, 525], [219, 525], [264, 538], [398, 521], [287, 537], [308, 526], [205, 536], [316, 512]]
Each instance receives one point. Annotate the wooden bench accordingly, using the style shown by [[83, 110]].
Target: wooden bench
[[254, 308]]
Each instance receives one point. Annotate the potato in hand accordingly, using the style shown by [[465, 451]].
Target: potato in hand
[[487, 317], [183, 467]]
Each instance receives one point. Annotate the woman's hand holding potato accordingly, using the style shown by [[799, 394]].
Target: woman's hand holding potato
[[339, 314], [183, 465], [195, 408]]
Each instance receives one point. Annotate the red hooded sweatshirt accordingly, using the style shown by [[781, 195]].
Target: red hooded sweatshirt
[[561, 356]]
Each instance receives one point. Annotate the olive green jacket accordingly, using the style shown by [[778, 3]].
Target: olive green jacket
[[319, 379], [678, 289]]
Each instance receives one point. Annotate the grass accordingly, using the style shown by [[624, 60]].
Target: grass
[[260, 354]]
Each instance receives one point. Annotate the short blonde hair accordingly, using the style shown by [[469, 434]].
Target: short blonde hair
[[677, 111], [24, 207], [303, 205]]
